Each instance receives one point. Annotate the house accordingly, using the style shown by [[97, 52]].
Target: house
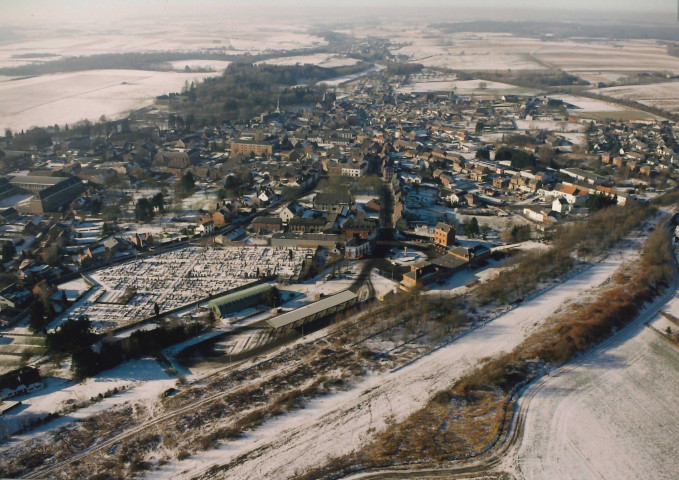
[[561, 205], [220, 217], [501, 182], [572, 194], [473, 254], [142, 241], [361, 227], [267, 196], [19, 382], [444, 234], [357, 247], [14, 296], [332, 202], [291, 210], [271, 224], [247, 147], [307, 225], [355, 169], [373, 206], [537, 214], [425, 272], [207, 227]]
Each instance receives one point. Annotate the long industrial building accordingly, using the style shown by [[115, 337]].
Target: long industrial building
[[314, 311], [236, 301], [51, 193]]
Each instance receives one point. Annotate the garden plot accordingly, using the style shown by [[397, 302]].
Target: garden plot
[[127, 293], [610, 415]]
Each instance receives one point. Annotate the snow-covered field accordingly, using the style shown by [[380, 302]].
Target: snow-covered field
[[217, 65], [71, 97], [609, 415], [660, 95], [320, 59], [333, 82], [336, 425], [603, 56], [225, 33], [469, 51], [589, 104], [141, 379], [465, 87]]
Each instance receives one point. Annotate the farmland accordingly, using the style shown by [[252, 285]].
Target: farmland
[[71, 97], [659, 95], [608, 415]]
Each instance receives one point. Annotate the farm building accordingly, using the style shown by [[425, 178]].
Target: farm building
[[19, 382], [314, 311], [234, 302]]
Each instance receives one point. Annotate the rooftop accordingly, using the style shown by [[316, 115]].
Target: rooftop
[[312, 309]]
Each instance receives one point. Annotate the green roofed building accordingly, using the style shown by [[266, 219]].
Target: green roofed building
[[236, 301]]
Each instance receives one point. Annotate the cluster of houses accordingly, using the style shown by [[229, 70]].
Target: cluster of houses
[[423, 149]]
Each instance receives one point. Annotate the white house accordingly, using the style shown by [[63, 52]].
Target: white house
[[561, 205], [207, 228]]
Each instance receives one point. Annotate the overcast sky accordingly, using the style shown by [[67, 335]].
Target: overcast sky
[[67, 12]]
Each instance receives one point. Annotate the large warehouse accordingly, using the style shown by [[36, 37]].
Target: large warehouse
[[51, 193], [237, 301], [308, 313]]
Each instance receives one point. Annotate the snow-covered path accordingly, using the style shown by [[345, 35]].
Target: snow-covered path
[[610, 415], [338, 424]]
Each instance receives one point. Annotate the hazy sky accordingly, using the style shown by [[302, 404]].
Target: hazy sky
[[67, 12]]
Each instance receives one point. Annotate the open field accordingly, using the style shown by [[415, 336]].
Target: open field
[[140, 379], [223, 34], [600, 109], [71, 97], [217, 65], [609, 415], [466, 87], [607, 56], [469, 51], [320, 59], [659, 95], [126, 293], [336, 425]]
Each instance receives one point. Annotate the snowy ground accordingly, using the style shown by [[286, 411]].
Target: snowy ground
[[607, 56], [217, 65], [660, 95], [466, 87], [611, 414], [141, 379], [71, 97], [335, 425], [320, 59], [589, 104], [465, 51], [333, 82]]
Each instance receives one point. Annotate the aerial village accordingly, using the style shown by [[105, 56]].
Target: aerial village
[[296, 214]]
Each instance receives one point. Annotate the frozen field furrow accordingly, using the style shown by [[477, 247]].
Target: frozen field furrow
[[611, 416]]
